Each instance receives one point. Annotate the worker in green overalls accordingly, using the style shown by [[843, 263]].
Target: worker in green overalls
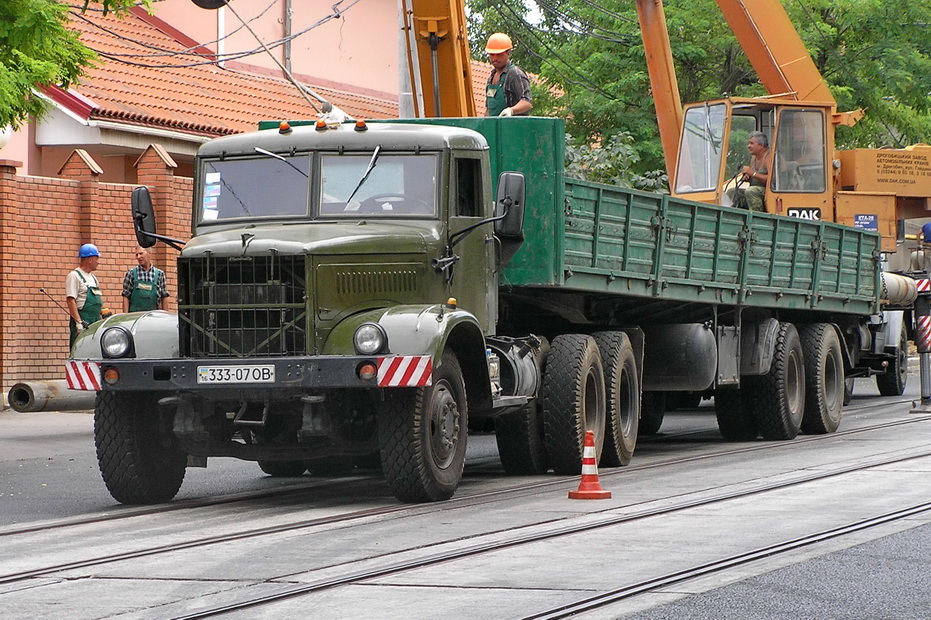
[[507, 92], [82, 292], [144, 286]]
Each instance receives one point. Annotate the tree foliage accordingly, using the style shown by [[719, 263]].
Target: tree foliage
[[873, 54], [37, 48]]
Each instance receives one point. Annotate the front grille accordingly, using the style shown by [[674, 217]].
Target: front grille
[[250, 306]]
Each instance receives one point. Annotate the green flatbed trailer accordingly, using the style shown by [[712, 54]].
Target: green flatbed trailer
[[368, 295]]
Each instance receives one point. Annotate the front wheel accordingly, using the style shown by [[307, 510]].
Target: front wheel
[[139, 460], [422, 435]]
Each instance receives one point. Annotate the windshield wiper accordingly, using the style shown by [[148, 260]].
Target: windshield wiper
[[368, 171], [277, 156]]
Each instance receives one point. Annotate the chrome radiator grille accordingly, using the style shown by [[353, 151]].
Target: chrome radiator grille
[[249, 306]]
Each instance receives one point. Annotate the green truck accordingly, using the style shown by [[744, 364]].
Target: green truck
[[365, 293]]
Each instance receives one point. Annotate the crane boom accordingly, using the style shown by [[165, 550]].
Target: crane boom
[[438, 56], [775, 49]]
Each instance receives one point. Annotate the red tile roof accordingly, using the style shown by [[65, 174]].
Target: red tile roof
[[184, 91], [181, 89]]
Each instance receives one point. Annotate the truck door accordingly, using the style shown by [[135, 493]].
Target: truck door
[[473, 283]]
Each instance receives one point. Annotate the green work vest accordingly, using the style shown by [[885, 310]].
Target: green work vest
[[144, 295], [93, 302], [494, 95]]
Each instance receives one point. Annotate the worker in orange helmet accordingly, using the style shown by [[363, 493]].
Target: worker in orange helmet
[[508, 90]]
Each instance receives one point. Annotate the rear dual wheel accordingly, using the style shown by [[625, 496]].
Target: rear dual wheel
[[778, 397], [824, 378], [622, 398], [573, 400]]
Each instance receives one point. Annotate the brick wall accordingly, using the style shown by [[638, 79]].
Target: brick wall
[[43, 222]]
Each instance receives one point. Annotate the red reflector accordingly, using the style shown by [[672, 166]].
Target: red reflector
[[111, 375], [367, 371]]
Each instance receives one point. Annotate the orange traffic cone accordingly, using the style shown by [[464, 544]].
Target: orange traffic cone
[[589, 487]]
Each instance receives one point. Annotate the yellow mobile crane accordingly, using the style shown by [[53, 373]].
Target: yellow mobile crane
[[704, 142]]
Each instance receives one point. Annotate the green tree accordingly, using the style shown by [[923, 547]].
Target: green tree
[[37, 48]]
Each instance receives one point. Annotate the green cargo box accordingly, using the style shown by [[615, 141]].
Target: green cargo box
[[598, 238]]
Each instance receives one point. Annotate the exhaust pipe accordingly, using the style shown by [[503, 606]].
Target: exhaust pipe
[[34, 396]]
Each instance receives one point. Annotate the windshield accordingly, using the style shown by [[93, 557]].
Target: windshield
[[378, 184], [702, 149], [255, 187]]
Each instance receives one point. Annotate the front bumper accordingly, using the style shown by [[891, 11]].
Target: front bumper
[[291, 373]]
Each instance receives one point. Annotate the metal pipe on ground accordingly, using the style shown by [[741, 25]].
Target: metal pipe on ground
[[34, 396]]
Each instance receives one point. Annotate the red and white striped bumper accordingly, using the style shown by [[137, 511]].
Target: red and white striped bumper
[[405, 371], [82, 375]]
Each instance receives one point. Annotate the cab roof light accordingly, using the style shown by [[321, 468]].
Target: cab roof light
[[360, 125], [320, 125], [284, 127]]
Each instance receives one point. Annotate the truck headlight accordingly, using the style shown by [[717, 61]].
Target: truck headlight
[[369, 339], [116, 342]]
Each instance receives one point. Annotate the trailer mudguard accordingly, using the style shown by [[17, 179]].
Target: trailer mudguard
[[154, 333]]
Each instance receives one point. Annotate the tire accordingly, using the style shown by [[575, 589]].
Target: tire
[[283, 469], [521, 445], [848, 390], [736, 420], [573, 401], [824, 378], [622, 396], [778, 398], [140, 462], [892, 382], [422, 435], [652, 412]]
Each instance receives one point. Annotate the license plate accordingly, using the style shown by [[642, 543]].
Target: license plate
[[263, 373]]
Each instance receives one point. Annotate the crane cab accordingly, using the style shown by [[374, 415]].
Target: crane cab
[[713, 149]]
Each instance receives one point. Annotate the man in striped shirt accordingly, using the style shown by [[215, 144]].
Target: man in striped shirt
[[144, 286]]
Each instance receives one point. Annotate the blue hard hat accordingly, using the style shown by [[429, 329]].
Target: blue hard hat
[[88, 249]]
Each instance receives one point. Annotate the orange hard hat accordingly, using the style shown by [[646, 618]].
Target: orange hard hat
[[498, 42]]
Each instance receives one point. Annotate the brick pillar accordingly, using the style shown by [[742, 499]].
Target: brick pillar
[[80, 166], [9, 216]]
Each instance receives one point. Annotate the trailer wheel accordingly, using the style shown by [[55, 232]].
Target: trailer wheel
[[521, 445], [140, 462], [824, 378], [735, 415], [778, 398], [622, 393], [573, 400], [892, 382], [422, 435], [652, 412], [283, 469]]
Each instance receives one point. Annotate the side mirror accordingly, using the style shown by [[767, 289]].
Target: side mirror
[[510, 204], [143, 217]]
